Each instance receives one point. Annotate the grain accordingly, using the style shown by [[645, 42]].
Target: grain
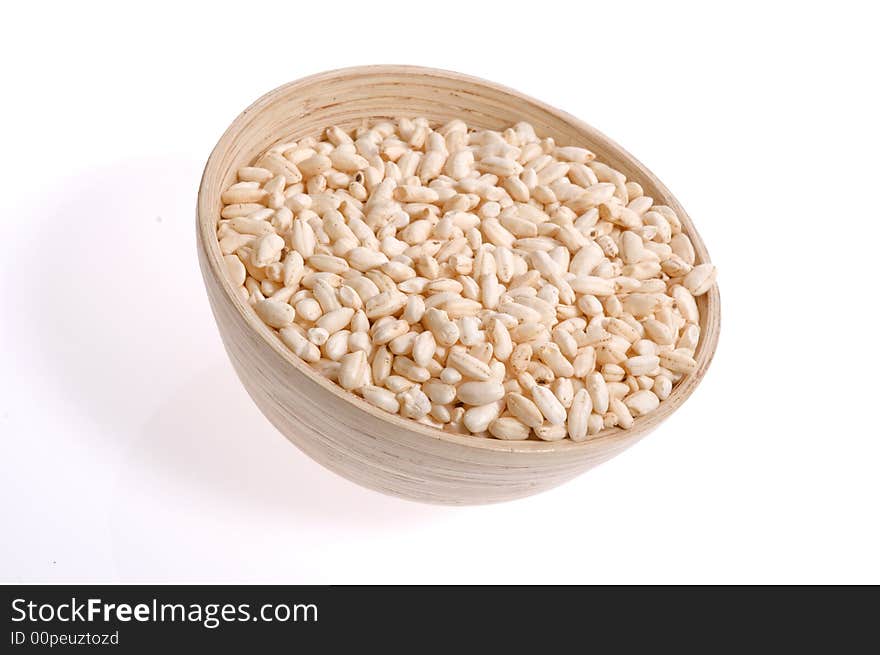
[[478, 419], [469, 366], [621, 413], [524, 409], [308, 309], [274, 314], [409, 369], [492, 283], [597, 388], [235, 270], [480, 393], [351, 371], [509, 428], [700, 279], [386, 303], [335, 320], [642, 402], [550, 432], [641, 364], [678, 361], [423, 349], [381, 398], [549, 405], [578, 415], [391, 332], [662, 387], [414, 403], [294, 339]]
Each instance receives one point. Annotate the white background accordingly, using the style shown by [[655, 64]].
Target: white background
[[129, 451]]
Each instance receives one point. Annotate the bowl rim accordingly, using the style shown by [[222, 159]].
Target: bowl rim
[[209, 248]]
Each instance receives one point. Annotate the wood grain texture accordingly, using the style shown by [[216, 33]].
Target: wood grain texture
[[339, 430]]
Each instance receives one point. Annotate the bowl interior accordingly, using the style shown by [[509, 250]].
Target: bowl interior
[[349, 96]]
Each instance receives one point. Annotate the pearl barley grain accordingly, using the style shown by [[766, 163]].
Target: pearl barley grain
[[477, 281]]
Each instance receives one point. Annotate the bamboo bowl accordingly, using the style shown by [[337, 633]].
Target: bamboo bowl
[[339, 430]]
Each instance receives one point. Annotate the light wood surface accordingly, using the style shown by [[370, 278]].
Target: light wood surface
[[371, 447]]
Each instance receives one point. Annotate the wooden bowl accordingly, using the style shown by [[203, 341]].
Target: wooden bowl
[[371, 447]]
